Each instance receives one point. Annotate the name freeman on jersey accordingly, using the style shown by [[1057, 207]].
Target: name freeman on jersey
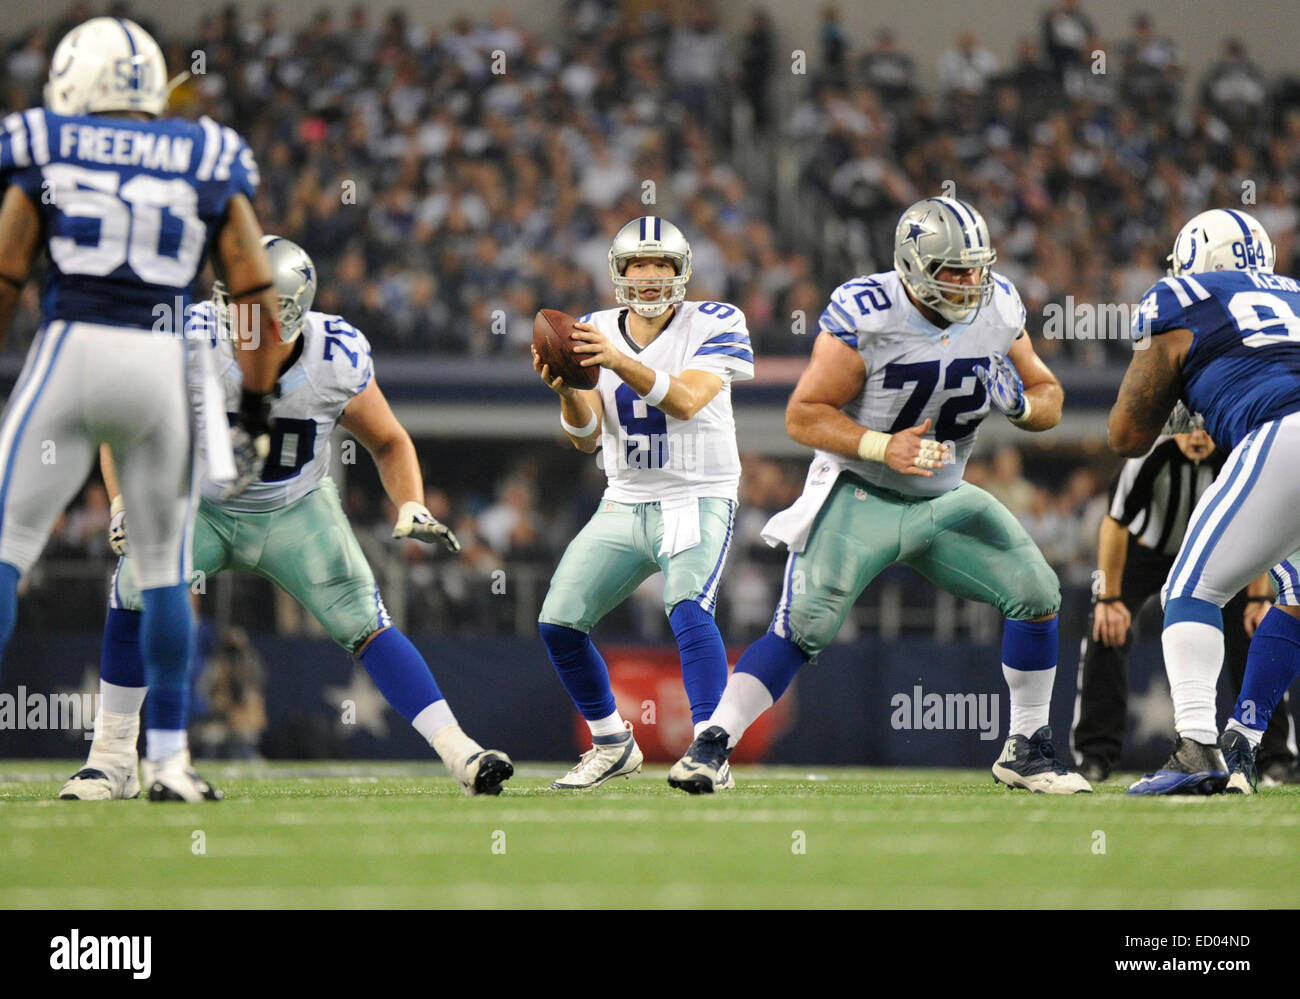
[[126, 147]]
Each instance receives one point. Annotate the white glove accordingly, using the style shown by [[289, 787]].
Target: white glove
[[1006, 390], [1182, 420], [415, 521], [117, 526]]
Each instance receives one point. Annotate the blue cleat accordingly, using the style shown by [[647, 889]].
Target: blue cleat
[[704, 768], [1195, 768], [1243, 778], [1032, 763]]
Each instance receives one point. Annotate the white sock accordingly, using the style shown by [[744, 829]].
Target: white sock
[[742, 702], [1193, 657], [161, 743], [1253, 735], [609, 725], [121, 700], [700, 726], [433, 719], [1031, 698]]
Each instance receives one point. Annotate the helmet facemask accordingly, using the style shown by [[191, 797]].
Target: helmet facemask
[[628, 290], [954, 300]]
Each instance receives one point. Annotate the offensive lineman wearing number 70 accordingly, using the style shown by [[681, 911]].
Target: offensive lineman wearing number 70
[[905, 367], [662, 409]]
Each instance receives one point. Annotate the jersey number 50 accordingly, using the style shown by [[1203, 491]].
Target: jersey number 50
[[130, 222]]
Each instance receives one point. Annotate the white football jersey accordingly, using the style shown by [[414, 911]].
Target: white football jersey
[[916, 370], [648, 455], [308, 400]]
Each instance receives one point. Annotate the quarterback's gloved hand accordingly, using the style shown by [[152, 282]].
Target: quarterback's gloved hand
[[1182, 420], [250, 440], [1002, 380], [415, 521], [117, 526]]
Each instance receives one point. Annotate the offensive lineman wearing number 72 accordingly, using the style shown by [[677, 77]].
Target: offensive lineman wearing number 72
[[907, 364]]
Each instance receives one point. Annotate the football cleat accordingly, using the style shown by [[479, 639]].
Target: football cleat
[[1194, 768], [93, 784], [1239, 755], [111, 765], [484, 772], [724, 782], [174, 779], [1033, 764], [609, 756], [701, 770]]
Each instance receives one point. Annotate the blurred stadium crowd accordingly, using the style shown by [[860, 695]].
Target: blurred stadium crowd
[[450, 178]]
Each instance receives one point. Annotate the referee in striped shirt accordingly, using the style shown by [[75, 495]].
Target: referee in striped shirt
[[1152, 499]]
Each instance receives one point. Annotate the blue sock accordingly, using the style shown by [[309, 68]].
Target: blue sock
[[8, 604], [165, 647], [774, 661], [121, 663], [1030, 645], [704, 657], [581, 669], [400, 673], [1272, 665]]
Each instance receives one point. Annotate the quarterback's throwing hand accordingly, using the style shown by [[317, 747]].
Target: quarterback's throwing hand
[[596, 347], [117, 526], [415, 521], [1002, 380]]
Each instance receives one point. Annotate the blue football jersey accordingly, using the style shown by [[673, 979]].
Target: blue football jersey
[[130, 208], [1243, 367]]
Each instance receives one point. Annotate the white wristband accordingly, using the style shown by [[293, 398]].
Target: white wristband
[[573, 431], [1020, 420], [872, 445], [659, 389]]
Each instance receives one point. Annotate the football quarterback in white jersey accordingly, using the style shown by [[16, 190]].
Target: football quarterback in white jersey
[[907, 364], [662, 411]]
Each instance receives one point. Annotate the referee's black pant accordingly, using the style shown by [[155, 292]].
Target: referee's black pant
[[1103, 670]]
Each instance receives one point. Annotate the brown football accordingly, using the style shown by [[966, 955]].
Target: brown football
[[551, 329]]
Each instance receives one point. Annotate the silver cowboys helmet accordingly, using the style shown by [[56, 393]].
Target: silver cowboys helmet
[[1222, 239], [293, 275], [107, 64], [652, 237], [940, 233]]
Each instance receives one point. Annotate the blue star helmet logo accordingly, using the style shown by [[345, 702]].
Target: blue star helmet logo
[[915, 230], [306, 271]]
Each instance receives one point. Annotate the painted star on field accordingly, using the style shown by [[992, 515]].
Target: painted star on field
[[367, 705]]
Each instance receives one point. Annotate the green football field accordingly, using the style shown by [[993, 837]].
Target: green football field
[[401, 835]]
